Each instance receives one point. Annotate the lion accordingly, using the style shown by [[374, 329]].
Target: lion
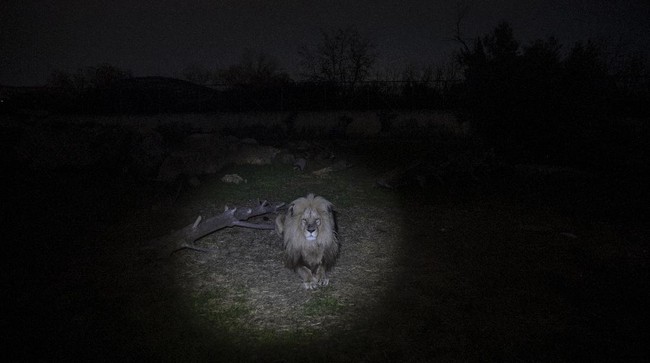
[[308, 230]]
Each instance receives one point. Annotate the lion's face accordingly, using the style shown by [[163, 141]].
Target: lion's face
[[310, 217], [310, 223]]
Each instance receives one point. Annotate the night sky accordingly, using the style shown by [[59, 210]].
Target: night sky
[[164, 37]]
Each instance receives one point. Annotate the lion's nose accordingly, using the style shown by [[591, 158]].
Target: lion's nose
[[311, 228]]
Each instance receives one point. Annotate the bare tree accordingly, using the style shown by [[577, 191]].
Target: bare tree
[[104, 75], [61, 79], [101, 76], [343, 56], [461, 12], [422, 75], [254, 69]]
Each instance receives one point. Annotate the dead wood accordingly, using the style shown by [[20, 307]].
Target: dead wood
[[231, 217]]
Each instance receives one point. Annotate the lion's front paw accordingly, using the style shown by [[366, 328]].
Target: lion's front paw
[[324, 282], [309, 285]]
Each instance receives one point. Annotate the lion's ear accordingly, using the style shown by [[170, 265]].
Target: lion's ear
[[290, 210], [330, 208]]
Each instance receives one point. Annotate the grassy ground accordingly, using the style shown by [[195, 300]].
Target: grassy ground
[[504, 269]]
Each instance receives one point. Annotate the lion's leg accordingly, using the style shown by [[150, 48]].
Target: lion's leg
[[321, 276], [308, 281], [279, 225]]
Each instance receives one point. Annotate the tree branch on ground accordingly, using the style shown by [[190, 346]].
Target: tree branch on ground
[[231, 217]]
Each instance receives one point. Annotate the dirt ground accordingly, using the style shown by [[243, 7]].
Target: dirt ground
[[508, 270]]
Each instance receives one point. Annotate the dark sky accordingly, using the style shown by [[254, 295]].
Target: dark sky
[[163, 37]]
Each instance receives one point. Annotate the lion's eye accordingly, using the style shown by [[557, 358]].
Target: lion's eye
[[304, 221], [318, 222]]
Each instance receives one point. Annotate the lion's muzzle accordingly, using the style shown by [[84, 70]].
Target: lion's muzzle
[[311, 235], [311, 231]]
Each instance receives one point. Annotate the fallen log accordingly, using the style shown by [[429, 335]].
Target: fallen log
[[184, 238]]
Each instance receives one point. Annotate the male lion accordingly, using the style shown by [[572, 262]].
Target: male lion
[[308, 229]]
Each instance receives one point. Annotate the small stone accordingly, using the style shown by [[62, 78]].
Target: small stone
[[232, 178]]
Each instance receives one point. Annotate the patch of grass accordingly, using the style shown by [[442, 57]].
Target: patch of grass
[[282, 183], [266, 181], [221, 307], [322, 305]]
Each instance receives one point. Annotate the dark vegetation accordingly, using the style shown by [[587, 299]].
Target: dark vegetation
[[538, 102]]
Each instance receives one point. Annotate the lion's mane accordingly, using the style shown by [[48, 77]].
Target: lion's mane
[[311, 259]]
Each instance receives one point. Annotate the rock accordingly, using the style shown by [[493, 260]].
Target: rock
[[249, 154], [300, 164], [286, 158], [233, 178], [324, 171]]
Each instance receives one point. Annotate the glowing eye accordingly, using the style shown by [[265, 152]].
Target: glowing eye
[[304, 221], [318, 222]]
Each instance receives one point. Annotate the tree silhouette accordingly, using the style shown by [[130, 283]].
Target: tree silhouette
[[100, 76], [342, 57], [198, 75], [532, 104], [254, 69]]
